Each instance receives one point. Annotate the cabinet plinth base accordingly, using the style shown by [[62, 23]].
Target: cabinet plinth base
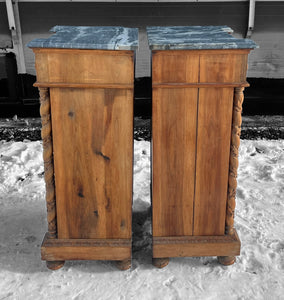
[[56, 251], [187, 246], [160, 262], [226, 260]]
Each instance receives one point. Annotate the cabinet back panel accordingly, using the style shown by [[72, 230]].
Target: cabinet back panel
[[212, 160], [174, 139], [93, 142]]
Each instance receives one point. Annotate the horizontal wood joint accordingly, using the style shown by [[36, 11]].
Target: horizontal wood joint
[[200, 51], [85, 249], [187, 246], [200, 85], [47, 242], [85, 51], [83, 85]]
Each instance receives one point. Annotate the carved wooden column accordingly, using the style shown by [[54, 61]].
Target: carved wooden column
[[233, 168], [46, 134], [234, 161]]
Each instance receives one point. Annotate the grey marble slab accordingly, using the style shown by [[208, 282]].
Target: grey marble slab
[[195, 37], [89, 37]]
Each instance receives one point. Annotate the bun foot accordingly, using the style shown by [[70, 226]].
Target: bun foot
[[160, 262], [226, 260], [55, 265], [123, 264]]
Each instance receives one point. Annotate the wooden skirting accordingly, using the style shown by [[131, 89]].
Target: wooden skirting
[[83, 85], [200, 85], [85, 249], [200, 52], [186, 246]]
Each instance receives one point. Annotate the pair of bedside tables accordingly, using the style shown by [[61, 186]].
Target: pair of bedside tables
[[85, 77]]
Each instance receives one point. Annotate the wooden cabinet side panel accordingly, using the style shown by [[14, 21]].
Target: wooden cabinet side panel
[[93, 146], [173, 160], [212, 161], [84, 67], [222, 68]]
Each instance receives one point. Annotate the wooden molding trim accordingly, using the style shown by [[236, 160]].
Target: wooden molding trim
[[194, 239], [200, 85], [48, 161], [47, 242], [85, 51], [187, 246], [201, 52], [83, 85], [85, 249], [234, 162]]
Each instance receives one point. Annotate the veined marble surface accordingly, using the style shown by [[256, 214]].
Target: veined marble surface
[[89, 37], [195, 37]]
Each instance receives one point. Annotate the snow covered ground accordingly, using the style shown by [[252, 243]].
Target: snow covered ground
[[257, 274]]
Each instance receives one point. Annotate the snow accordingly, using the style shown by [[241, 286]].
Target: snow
[[257, 274]]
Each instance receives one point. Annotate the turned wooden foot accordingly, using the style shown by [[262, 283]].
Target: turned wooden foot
[[123, 264], [55, 265], [160, 262], [226, 260]]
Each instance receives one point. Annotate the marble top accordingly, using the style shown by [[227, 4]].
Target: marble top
[[195, 37], [89, 37]]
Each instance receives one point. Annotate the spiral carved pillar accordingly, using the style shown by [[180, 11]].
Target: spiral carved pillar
[[48, 170], [234, 162], [48, 161], [233, 169]]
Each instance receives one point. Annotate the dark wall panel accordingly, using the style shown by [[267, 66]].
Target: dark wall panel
[[268, 61]]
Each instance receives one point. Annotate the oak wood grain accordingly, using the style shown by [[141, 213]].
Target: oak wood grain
[[175, 67], [221, 68], [173, 131], [209, 78], [212, 160], [198, 52], [199, 85], [84, 85], [227, 245], [84, 66], [93, 161], [85, 249]]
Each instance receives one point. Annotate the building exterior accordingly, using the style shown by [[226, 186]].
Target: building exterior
[[263, 21]]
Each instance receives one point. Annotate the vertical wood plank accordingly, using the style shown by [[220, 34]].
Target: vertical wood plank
[[93, 138], [173, 160], [212, 161]]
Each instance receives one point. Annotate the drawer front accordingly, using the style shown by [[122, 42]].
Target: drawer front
[[84, 66]]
